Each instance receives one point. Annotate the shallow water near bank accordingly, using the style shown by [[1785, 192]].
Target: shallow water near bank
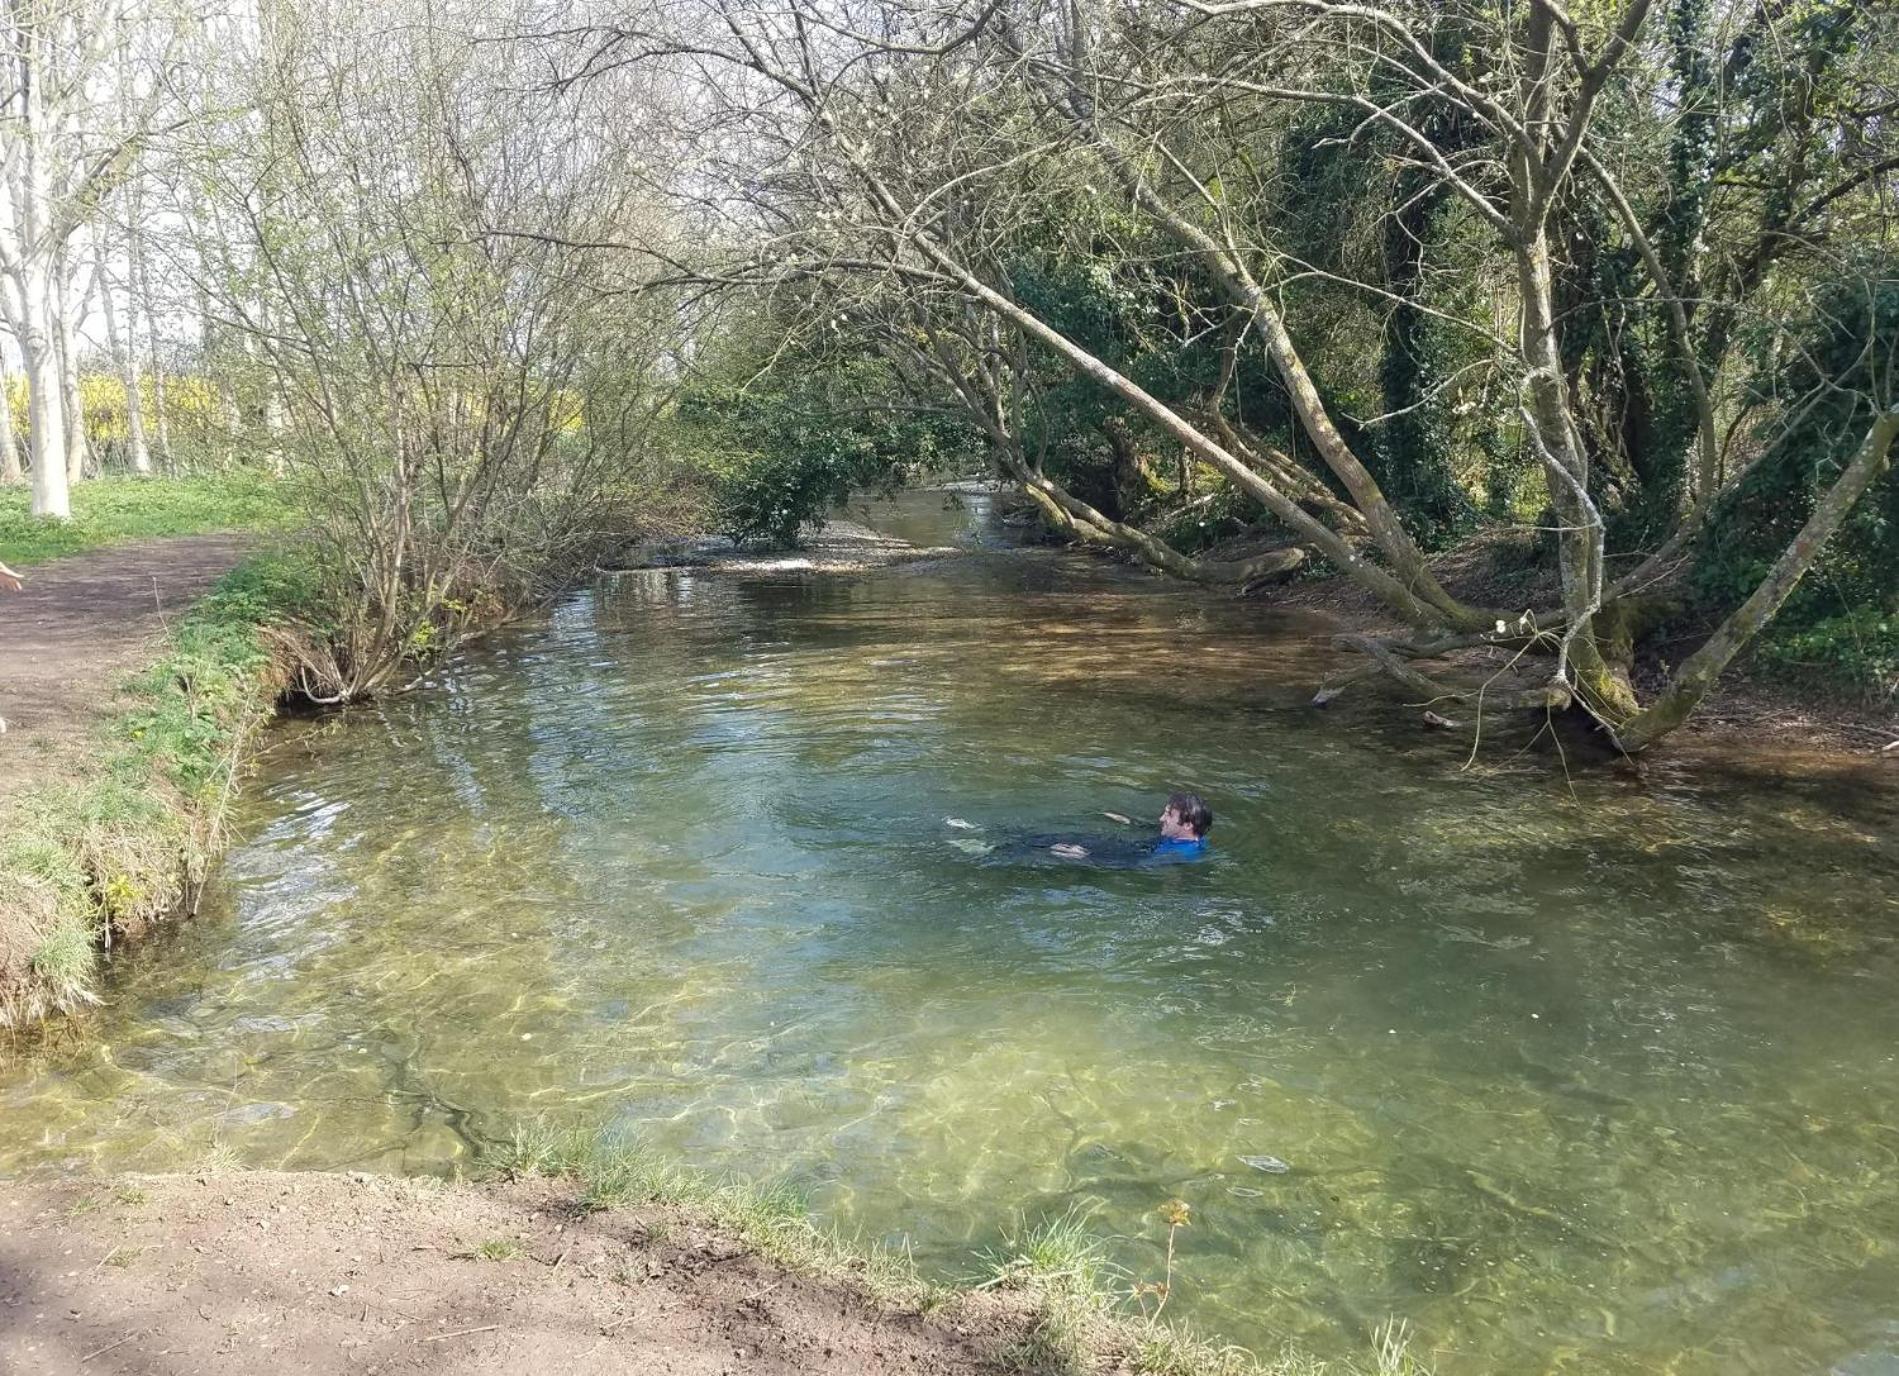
[[1574, 1071]]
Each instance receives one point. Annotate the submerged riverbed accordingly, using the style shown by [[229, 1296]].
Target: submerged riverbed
[[1589, 1073]]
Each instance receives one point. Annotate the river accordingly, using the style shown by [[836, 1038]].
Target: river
[[1590, 1070]]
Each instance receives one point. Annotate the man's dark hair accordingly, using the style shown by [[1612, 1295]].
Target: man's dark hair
[[1193, 811]]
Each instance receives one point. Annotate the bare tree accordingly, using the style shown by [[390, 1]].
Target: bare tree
[[69, 138], [453, 397], [10, 470], [140, 306], [72, 301], [918, 145], [125, 352]]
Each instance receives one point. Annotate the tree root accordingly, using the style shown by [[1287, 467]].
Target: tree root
[[1389, 658]]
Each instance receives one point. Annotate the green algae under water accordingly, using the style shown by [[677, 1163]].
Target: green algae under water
[[1586, 1074]]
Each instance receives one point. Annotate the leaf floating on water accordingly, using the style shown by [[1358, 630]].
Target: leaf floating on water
[[1272, 1165]]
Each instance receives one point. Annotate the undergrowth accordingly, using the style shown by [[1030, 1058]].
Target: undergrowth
[[89, 859], [1076, 1311]]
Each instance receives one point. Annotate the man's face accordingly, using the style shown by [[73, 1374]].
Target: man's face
[[1171, 825]]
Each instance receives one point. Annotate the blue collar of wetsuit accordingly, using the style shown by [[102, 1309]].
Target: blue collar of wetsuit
[[1181, 843]]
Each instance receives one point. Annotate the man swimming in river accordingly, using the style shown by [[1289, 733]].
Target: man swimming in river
[[1184, 824]]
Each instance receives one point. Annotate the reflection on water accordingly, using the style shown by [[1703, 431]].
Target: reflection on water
[[1593, 1075]]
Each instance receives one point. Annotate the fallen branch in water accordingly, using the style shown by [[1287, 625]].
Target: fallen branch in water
[[1388, 656]]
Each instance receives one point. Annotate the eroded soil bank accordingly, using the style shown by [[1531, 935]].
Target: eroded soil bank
[[312, 1273]]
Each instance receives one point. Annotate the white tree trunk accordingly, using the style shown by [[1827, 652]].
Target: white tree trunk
[[273, 401], [46, 405], [125, 352], [10, 470], [141, 301], [65, 319]]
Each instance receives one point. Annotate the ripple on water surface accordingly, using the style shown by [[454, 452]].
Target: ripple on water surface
[[1591, 1075]]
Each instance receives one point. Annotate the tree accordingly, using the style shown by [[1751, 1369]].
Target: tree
[[69, 139], [382, 206], [125, 352], [10, 470], [917, 146], [72, 298]]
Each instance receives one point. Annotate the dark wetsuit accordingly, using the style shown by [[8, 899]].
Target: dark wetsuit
[[1104, 852]]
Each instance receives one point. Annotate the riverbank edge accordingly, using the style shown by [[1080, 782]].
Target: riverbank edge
[[1751, 719], [629, 1231], [1771, 719], [1068, 1308], [117, 843]]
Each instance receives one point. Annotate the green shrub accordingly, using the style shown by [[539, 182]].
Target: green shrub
[[787, 445]]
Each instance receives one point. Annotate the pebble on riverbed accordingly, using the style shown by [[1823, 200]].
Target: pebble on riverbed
[[1272, 1165]]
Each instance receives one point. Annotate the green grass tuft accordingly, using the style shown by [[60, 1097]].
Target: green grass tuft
[[62, 959], [1059, 1253]]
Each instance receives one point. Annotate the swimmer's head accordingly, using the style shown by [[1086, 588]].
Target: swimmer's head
[[1186, 817]]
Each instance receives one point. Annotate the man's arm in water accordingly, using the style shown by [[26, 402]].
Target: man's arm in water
[[1070, 850]]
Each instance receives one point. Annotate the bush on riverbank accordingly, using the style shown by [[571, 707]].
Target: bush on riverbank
[[786, 434], [87, 861]]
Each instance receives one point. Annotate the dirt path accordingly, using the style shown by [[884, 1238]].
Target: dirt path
[[330, 1275], [78, 626]]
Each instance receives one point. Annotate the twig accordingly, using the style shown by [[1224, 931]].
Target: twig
[[461, 1333], [101, 1351]]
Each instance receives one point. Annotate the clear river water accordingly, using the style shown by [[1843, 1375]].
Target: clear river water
[[1575, 1071]]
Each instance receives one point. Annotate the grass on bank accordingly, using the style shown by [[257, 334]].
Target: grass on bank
[[1080, 1312], [111, 510], [86, 860]]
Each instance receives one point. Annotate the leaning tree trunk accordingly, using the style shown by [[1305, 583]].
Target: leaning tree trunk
[[1230, 272], [1083, 522], [1697, 675]]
